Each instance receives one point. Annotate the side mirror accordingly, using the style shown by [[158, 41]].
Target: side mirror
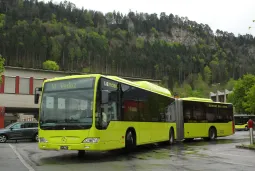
[[37, 94], [11, 128]]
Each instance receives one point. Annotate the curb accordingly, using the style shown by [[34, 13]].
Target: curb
[[245, 147]]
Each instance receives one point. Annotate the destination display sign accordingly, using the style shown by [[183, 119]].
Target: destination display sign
[[108, 84], [69, 84], [219, 105]]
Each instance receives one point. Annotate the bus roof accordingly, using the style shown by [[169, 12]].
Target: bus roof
[[139, 84], [153, 87], [196, 99], [242, 115], [144, 85]]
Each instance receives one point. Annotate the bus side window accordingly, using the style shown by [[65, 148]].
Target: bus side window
[[211, 114], [199, 112], [130, 103], [187, 112]]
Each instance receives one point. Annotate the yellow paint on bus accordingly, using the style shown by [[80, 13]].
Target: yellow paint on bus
[[194, 129], [114, 136]]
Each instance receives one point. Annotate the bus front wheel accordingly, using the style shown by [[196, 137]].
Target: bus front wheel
[[81, 153], [171, 136]]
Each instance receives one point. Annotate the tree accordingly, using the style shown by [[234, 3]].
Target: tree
[[250, 102], [169, 47], [1, 67], [50, 65], [230, 84], [242, 94], [207, 75]]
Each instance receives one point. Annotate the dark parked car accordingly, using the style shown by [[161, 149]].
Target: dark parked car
[[20, 130]]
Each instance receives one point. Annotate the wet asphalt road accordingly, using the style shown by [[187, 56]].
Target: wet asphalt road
[[190, 156]]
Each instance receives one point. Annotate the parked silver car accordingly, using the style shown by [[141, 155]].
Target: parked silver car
[[20, 130]]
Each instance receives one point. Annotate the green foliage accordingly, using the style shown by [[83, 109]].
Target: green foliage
[[86, 70], [230, 84], [200, 88], [139, 43], [184, 91], [1, 67], [249, 105], [207, 74], [242, 96], [50, 65], [135, 45]]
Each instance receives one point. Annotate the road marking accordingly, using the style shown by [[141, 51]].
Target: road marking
[[21, 158]]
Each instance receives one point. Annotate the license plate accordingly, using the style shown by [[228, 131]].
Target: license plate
[[63, 147]]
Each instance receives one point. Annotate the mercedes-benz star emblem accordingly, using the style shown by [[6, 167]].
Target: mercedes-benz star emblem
[[64, 139]]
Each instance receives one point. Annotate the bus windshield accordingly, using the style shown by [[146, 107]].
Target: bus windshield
[[241, 120], [67, 104]]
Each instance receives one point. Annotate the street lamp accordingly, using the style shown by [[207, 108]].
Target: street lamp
[[215, 89]]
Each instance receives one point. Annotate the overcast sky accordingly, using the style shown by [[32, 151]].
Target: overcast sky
[[234, 16]]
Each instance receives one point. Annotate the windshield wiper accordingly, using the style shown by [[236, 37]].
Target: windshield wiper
[[48, 127], [52, 121], [71, 121], [63, 127]]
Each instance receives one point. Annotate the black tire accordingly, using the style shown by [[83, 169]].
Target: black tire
[[3, 138], [81, 153], [36, 138], [212, 133], [171, 137], [246, 128], [188, 139], [130, 141]]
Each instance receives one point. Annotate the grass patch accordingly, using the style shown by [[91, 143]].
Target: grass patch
[[245, 146], [191, 152]]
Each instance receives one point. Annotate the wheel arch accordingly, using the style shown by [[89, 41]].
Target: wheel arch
[[212, 127], [132, 129], [172, 130]]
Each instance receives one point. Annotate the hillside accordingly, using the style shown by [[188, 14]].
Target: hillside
[[166, 47]]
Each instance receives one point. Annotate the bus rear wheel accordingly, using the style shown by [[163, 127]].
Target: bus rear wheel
[[246, 128], [171, 137], [130, 142], [212, 133]]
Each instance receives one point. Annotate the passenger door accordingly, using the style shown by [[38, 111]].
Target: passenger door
[[107, 112]]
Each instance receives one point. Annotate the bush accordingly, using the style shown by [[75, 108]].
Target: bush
[[50, 65]]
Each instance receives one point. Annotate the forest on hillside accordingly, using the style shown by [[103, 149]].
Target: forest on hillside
[[181, 52]]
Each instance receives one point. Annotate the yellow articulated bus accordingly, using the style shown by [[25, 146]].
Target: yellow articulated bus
[[203, 118], [97, 113], [241, 121]]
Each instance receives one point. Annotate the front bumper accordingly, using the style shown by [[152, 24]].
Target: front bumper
[[81, 146]]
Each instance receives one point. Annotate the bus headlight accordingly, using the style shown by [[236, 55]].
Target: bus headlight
[[91, 140], [42, 140]]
